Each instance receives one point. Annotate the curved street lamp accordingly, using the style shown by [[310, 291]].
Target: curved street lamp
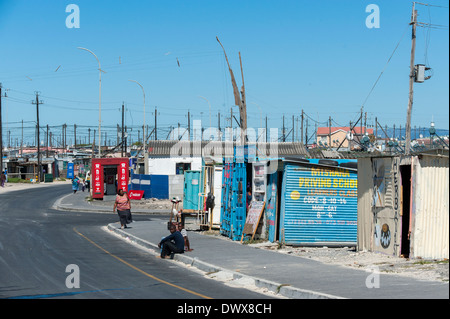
[[145, 136], [99, 101]]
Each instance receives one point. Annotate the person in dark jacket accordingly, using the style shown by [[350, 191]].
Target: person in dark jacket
[[172, 244]]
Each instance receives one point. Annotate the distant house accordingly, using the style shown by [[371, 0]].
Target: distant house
[[334, 136]]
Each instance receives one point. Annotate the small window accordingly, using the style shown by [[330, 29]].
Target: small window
[[181, 167]]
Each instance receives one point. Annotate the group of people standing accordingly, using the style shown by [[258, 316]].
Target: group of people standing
[[176, 243]]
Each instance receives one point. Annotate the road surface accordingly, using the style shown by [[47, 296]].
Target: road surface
[[47, 253]]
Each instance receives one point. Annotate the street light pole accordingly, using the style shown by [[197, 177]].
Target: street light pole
[[1, 129], [145, 136], [99, 101]]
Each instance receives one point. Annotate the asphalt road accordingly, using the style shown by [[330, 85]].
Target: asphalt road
[[37, 244]]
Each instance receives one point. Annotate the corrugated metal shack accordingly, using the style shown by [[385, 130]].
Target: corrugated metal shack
[[318, 202], [238, 175], [403, 205], [307, 201]]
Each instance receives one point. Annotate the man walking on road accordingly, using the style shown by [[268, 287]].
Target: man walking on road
[[173, 244]]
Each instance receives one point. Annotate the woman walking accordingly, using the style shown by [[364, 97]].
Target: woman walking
[[123, 206], [75, 182]]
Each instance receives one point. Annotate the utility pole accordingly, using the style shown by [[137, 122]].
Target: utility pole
[[21, 142], [267, 136], [1, 130], [302, 128], [75, 135], [365, 123], [361, 124], [411, 81], [293, 129], [231, 121], [47, 144], [219, 137], [376, 129], [37, 102], [306, 134], [123, 133], [329, 131], [156, 123], [65, 136], [189, 126]]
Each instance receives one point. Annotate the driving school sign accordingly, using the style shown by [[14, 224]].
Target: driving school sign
[[318, 205]]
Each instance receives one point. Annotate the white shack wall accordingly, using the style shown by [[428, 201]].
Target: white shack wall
[[167, 165], [430, 212]]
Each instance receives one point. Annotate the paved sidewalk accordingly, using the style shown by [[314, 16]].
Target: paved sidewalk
[[287, 275]]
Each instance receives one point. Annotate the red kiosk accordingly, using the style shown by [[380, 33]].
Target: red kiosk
[[108, 175]]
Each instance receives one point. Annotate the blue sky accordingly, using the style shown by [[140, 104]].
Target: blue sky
[[318, 56]]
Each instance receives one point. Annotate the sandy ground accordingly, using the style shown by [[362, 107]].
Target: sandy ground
[[10, 187], [435, 270]]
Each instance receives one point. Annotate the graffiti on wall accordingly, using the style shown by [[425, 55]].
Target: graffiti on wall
[[379, 185], [397, 183], [386, 226]]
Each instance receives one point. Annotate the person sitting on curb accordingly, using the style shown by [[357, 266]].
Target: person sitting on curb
[[187, 246], [170, 248]]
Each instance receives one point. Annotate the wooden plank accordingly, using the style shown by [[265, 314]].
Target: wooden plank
[[253, 217]]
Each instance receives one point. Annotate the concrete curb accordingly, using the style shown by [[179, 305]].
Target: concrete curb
[[277, 288]]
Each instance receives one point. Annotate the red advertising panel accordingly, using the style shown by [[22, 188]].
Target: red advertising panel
[[97, 180], [136, 194], [122, 175]]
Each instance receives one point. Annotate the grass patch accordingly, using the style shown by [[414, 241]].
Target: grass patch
[[17, 180], [279, 287], [428, 262]]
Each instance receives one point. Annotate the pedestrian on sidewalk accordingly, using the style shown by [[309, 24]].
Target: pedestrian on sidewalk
[[3, 179], [182, 230], [75, 182], [123, 205], [173, 244]]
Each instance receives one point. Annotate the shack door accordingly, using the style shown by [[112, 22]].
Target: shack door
[[271, 206], [239, 202]]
